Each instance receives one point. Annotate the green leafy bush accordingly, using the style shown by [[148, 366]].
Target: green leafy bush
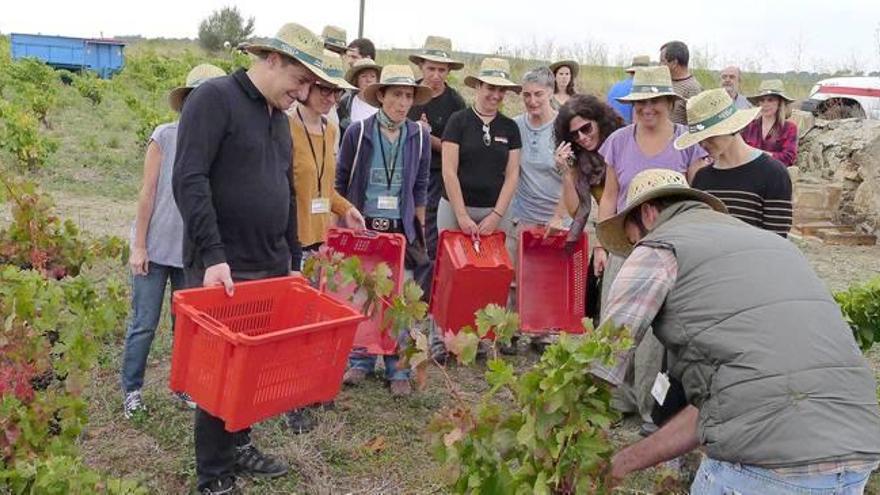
[[860, 305], [89, 86], [20, 135]]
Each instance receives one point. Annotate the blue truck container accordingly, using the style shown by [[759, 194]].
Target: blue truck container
[[102, 56]]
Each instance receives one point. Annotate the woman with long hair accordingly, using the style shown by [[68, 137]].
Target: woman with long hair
[[771, 132], [565, 72]]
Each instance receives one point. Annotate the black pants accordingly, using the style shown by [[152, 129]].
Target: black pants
[[215, 447], [435, 191]]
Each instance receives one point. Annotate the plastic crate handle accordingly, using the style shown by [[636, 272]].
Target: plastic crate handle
[[210, 324]]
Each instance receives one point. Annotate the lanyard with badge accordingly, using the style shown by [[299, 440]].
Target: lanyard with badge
[[320, 205], [389, 202]]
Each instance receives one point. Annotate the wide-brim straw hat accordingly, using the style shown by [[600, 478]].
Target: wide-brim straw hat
[[494, 71], [649, 184], [770, 87], [572, 65], [360, 66], [296, 42], [196, 76], [396, 75], [649, 83], [436, 49], [334, 68], [713, 113], [639, 61], [335, 39]]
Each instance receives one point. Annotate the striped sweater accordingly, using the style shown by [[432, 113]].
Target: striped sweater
[[757, 192]]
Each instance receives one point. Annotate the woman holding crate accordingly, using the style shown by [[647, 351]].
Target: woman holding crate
[[383, 171]]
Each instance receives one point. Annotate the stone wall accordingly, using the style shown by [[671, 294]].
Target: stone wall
[[844, 154]]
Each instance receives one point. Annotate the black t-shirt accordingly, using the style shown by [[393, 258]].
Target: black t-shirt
[[481, 167], [757, 192], [438, 111]]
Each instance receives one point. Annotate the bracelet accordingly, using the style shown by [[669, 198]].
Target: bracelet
[[496, 212]]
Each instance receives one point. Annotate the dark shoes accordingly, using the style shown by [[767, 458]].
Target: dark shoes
[[250, 461], [226, 486], [302, 420]]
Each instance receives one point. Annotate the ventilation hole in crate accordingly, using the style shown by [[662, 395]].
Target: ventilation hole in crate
[[222, 313]]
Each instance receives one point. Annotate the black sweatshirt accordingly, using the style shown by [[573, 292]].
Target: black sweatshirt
[[232, 179]]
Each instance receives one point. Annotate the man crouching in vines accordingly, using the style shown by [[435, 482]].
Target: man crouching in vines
[[756, 350]]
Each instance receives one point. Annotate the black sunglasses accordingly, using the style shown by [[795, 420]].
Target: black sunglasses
[[325, 91], [585, 129]]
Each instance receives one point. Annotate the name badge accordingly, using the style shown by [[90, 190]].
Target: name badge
[[660, 388], [387, 202], [320, 205]]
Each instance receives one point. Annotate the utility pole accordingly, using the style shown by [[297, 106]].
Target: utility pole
[[361, 21]]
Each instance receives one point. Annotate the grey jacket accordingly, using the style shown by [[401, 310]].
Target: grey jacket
[[761, 347]]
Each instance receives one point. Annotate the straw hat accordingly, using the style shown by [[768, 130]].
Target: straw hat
[[196, 76], [770, 87], [713, 113], [360, 66], [334, 68], [649, 184], [649, 83], [296, 42], [334, 39], [437, 49], [396, 75], [639, 61], [572, 65], [494, 71]]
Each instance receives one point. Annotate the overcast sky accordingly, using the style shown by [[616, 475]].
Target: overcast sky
[[758, 34]]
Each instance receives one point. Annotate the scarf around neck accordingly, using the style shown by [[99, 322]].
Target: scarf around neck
[[386, 122]]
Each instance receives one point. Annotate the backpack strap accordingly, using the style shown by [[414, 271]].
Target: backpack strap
[[357, 153], [421, 140]]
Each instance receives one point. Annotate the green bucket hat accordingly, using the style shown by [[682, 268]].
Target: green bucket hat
[[296, 42], [196, 76], [436, 49], [396, 75], [649, 83], [494, 71], [770, 87]]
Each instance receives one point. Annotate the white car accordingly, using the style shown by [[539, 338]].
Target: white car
[[844, 97]]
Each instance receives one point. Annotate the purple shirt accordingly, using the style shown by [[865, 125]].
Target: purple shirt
[[626, 158]]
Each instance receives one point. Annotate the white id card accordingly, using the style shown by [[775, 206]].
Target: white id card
[[387, 202], [660, 388], [320, 205]]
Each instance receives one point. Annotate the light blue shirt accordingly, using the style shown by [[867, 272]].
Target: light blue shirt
[[540, 183], [378, 184]]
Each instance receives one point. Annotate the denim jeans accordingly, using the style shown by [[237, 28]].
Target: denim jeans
[[215, 447], [147, 294], [361, 360], [435, 192], [723, 478]]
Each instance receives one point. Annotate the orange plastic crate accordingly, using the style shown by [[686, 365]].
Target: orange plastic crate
[[372, 248], [275, 345], [551, 284], [466, 281]]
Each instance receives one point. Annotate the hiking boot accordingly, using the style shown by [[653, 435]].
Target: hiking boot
[[439, 354], [225, 486], [510, 349], [185, 400], [354, 376], [133, 404], [401, 388], [302, 420], [250, 461]]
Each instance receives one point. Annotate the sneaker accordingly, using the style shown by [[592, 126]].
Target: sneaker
[[186, 400], [249, 460], [647, 429], [510, 349], [134, 403], [302, 420], [439, 353], [225, 486], [354, 376], [401, 388]]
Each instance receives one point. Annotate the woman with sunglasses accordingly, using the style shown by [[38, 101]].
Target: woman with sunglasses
[[314, 139], [481, 152]]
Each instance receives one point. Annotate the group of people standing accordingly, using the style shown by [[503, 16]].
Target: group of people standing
[[265, 160]]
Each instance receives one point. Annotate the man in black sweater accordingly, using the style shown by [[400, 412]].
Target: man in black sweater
[[232, 185]]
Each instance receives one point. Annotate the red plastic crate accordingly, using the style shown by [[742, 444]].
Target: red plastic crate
[[372, 248], [465, 281], [275, 345], [551, 284]]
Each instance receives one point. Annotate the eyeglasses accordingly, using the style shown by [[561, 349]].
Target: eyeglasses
[[487, 138], [585, 129], [325, 91]]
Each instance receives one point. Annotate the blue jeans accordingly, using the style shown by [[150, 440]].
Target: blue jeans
[[359, 359], [723, 478], [147, 293]]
